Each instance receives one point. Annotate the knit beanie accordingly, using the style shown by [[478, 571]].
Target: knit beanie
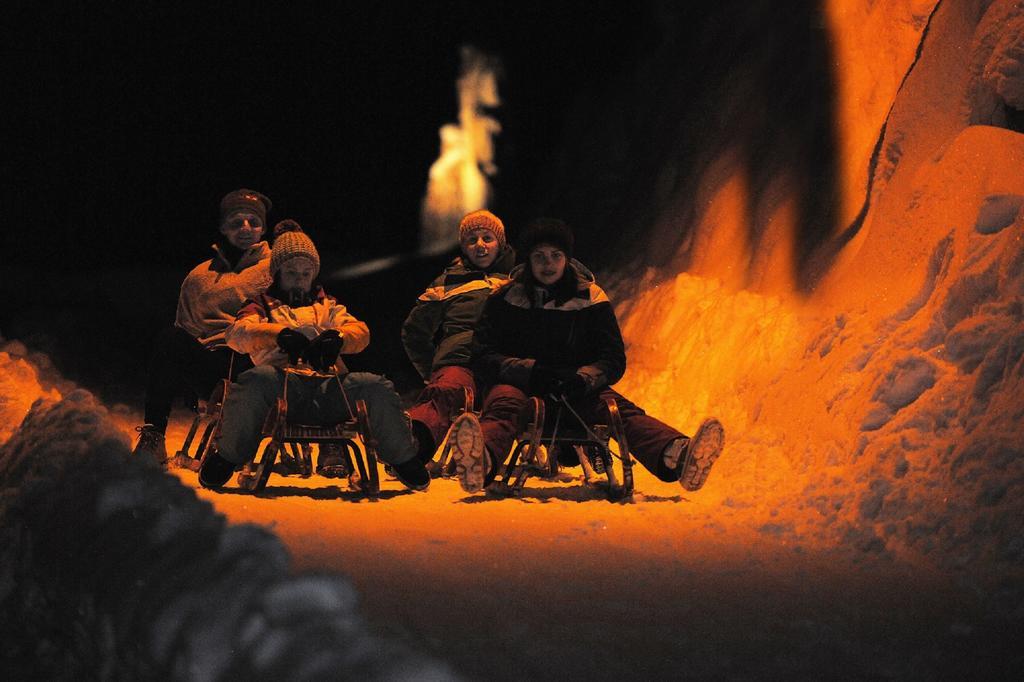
[[244, 200], [547, 231], [291, 242], [483, 220]]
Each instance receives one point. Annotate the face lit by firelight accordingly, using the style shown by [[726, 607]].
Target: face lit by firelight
[[480, 246], [296, 274], [242, 229], [547, 263]]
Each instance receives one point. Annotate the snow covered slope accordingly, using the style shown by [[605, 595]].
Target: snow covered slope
[[886, 408]]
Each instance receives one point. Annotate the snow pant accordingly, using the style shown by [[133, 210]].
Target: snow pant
[[441, 400], [312, 401], [648, 437], [181, 366]]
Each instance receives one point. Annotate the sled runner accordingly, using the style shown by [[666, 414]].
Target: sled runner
[[542, 441], [208, 412], [359, 463]]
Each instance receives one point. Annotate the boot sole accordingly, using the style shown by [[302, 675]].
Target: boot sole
[[333, 471], [468, 454], [705, 447]]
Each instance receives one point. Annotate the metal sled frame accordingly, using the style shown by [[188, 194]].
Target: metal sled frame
[[362, 462], [210, 413], [528, 459]]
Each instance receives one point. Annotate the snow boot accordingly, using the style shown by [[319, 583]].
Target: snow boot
[[468, 452], [286, 465], [412, 473], [150, 445], [330, 462], [692, 458], [215, 471]]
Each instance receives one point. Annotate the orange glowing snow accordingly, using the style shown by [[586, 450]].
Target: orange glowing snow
[[848, 404], [19, 388], [873, 45], [849, 411]]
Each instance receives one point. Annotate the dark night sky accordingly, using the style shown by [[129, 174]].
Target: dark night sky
[[127, 123]]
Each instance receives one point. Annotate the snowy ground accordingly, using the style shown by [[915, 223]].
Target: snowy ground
[[564, 584]]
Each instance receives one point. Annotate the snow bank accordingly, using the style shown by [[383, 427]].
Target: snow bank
[[997, 63], [876, 44], [113, 569], [949, 379], [20, 386], [887, 413]]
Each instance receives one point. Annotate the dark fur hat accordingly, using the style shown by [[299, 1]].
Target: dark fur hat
[[547, 231]]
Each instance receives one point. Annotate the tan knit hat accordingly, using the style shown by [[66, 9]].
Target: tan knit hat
[[483, 220], [292, 242]]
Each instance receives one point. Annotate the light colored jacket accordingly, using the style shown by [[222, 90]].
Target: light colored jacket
[[262, 319], [214, 291]]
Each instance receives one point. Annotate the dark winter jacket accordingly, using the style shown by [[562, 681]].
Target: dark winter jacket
[[438, 331], [521, 328]]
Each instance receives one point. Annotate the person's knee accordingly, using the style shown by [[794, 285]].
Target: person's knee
[[368, 381], [373, 388], [627, 408], [451, 379], [263, 379], [505, 397], [504, 407], [443, 386], [444, 393], [506, 392], [261, 374]]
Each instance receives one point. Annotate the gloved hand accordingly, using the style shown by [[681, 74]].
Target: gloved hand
[[543, 380], [573, 388], [548, 380], [292, 342], [322, 352]]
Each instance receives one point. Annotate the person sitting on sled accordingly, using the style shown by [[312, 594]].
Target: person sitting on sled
[[552, 332], [190, 357], [295, 319], [439, 329]]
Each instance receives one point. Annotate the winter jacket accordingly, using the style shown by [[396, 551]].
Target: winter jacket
[[260, 320], [438, 331], [214, 291], [520, 329]]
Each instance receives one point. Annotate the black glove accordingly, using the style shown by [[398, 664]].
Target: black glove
[[322, 352], [573, 388], [543, 380], [292, 343]]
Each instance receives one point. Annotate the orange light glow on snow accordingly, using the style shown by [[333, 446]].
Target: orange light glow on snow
[[20, 386], [843, 408]]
